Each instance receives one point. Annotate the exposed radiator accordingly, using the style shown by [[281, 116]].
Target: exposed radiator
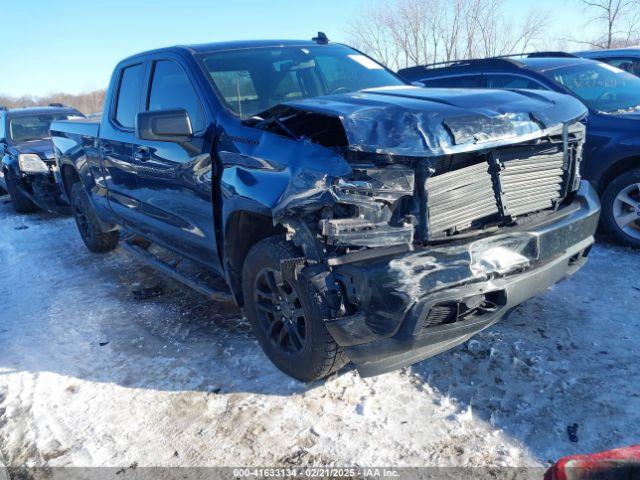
[[499, 188], [532, 183], [457, 199]]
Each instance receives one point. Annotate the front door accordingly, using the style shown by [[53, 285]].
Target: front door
[[175, 179]]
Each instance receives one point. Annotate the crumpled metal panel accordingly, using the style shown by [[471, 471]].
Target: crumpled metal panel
[[413, 121], [281, 174]]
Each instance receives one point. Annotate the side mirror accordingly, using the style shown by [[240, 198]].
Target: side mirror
[[164, 126]]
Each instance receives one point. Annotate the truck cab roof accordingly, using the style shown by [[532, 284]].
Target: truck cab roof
[[195, 49]]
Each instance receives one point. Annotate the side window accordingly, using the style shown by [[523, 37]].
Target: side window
[[129, 93], [3, 132], [171, 88], [630, 64], [512, 81], [463, 81]]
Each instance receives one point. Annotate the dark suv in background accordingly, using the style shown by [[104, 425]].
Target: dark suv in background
[[627, 59], [27, 163], [612, 149]]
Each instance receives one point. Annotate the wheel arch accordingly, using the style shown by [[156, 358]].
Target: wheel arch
[[244, 228], [616, 169], [69, 176]]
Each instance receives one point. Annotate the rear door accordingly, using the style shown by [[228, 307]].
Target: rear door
[[118, 139], [175, 179]]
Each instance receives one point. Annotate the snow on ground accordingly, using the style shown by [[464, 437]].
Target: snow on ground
[[90, 376]]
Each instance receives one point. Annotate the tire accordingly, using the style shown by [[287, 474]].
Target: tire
[[621, 208], [94, 237], [21, 203], [301, 346]]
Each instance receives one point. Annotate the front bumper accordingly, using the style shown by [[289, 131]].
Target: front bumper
[[43, 190], [398, 300]]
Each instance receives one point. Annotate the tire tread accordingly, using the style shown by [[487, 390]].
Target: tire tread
[[102, 241], [331, 356], [608, 197]]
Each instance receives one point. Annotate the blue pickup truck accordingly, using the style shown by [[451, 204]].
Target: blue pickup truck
[[353, 217]]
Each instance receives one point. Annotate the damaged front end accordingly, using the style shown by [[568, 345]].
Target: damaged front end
[[455, 207]]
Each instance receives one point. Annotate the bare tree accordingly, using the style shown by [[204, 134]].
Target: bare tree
[[402, 33], [619, 19], [370, 32], [89, 102]]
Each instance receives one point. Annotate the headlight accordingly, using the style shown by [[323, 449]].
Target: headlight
[[374, 194], [31, 163], [382, 184]]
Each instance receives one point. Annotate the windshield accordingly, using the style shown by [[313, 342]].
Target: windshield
[[31, 127], [601, 87], [251, 81]]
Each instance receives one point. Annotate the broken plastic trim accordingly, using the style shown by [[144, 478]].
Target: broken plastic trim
[[374, 193]]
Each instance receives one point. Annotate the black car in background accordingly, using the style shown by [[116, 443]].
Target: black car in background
[[611, 160], [27, 163]]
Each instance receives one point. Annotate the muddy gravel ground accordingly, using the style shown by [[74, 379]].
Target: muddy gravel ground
[[90, 375]]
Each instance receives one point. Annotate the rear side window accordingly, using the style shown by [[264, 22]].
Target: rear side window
[[512, 81], [171, 88], [630, 64], [466, 81], [129, 93]]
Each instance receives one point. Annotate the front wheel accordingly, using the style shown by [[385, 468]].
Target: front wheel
[[288, 316], [21, 203], [621, 208], [94, 237]]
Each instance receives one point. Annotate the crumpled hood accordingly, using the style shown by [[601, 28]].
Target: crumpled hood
[[415, 121], [43, 148]]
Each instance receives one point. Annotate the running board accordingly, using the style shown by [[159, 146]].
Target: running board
[[135, 246]]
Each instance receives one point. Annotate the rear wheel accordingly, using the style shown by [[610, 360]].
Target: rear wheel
[[621, 208], [288, 316], [94, 237], [21, 203]]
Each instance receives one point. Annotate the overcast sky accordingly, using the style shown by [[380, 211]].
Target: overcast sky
[[72, 45]]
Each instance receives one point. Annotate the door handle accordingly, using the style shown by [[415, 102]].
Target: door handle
[[142, 154]]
